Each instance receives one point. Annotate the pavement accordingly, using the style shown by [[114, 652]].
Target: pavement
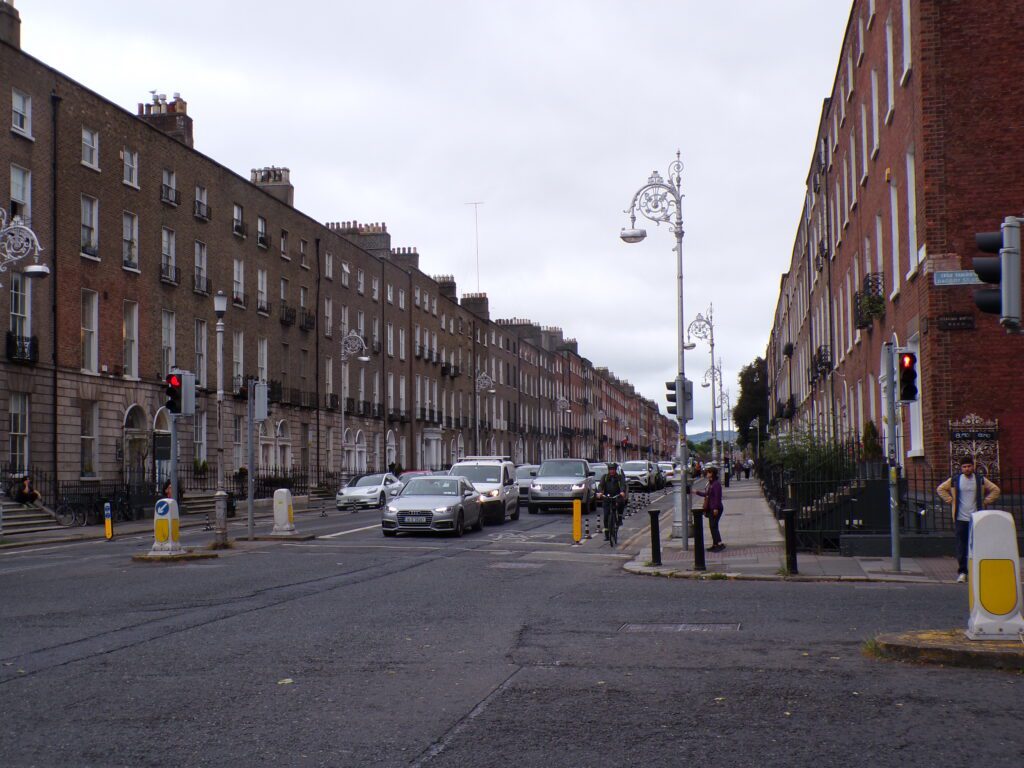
[[755, 550]]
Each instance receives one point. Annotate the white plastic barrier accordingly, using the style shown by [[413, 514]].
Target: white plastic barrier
[[284, 514], [166, 527], [993, 577]]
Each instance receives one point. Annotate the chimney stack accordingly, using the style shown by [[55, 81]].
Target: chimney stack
[[10, 24], [171, 118], [275, 181]]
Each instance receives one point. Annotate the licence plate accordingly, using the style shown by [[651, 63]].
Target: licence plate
[[416, 519]]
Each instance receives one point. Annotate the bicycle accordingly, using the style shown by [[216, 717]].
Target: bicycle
[[612, 518], [70, 515]]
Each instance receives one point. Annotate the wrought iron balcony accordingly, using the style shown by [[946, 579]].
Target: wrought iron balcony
[[307, 319], [350, 405], [169, 273], [201, 283], [262, 305], [275, 391], [238, 227], [823, 358], [129, 254], [262, 239], [287, 314], [331, 401], [239, 298], [201, 210], [22, 349], [169, 194]]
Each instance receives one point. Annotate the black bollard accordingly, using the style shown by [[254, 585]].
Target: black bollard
[[698, 541], [789, 515], [655, 537]]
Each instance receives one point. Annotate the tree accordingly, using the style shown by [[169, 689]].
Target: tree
[[752, 403]]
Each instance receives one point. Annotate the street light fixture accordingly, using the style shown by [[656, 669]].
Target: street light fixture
[[220, 498], [18, 241], [484, 383], [703, 327], [352, 345], [661, 201]]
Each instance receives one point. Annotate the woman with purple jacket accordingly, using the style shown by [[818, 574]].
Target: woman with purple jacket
[[713, 508]]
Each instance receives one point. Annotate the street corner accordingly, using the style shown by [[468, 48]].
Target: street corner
[[949, 647], [174, 557]]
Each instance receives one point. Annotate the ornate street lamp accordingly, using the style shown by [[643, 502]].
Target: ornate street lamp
[[18, 241], [703, 327], [220, 498], [661, 201], [484, 383], [352, 345]]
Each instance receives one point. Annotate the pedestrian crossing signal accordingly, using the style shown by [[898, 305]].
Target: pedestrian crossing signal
[[174, 392], [908, 376]]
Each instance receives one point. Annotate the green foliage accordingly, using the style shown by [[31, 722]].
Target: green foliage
[[807, 455], [752, 403], [871, 446]]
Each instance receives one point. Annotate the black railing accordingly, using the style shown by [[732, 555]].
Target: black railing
[[22, 349], [11, 475], [91, 248], [129, 254], [238, 227], [169, 194], [275, 391], [364, 407], [264, 306], [268, 480], [332, 401], [307, 319], [201, 210], [169, 273], [200, 282], [287, 314], [350, 405], [262, 239], [239, 298]]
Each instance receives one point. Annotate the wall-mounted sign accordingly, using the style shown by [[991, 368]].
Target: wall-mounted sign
[[955, 277], [955, 322]]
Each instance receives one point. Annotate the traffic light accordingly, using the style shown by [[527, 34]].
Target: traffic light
[[1002, 271], [174, 394], [907, 366], [670, 395]]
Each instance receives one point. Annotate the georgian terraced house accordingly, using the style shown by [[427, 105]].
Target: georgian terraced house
[[918, 148], [140, 230]]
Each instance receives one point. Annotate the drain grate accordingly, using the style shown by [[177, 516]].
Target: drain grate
[[680, 627]]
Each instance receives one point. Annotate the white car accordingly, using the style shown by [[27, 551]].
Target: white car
[[668, 469], [368, 491], [494, 477]]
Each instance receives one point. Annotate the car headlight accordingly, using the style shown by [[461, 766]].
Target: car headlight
[[492, 494], [535, 486], [393, 510], [579, 487], [371, 491], [442, 510]]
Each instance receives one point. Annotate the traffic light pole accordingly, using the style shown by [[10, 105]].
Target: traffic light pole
[[174, 456], [890, 439]]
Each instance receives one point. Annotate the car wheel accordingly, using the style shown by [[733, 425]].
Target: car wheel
[[382, 501], [479, 526], [386, 532], [515, 511], [531, 508], [459, 527]]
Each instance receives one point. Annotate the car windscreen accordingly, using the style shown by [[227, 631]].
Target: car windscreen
[[406, 476], [478, 473], [523, 473], [562, 469], [432, 486], [635, 466], [367, 480]]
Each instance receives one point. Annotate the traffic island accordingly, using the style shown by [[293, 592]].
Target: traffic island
[[951, 647], [174, 557]]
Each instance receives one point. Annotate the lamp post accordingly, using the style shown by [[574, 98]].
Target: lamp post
[[562, 405], [602, 419], [661, 201], [712, 376], [352, 345], [483, 383], [220, 498], [18, 241], [703, 327]]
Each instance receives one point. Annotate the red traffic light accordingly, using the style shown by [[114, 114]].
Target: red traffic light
[[173, 380], [907, 360]]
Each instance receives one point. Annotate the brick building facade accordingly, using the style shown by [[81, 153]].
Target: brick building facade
[[917, 150], [140, 231]]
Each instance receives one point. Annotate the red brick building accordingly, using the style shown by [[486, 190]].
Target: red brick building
[[141, 230], [918, 148]]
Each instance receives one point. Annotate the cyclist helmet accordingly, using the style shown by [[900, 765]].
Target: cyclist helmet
[[612, 466]]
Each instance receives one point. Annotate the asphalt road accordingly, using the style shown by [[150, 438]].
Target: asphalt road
[[506, 647]]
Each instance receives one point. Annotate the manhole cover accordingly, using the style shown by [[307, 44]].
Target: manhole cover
[[680, 628]]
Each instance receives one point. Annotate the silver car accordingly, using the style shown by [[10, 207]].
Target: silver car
[[559, 482], [641, 474], [368, 491], [523, 480], [437, 503]]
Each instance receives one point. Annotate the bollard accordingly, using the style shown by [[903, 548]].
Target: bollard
[[108, 521], [166, 528], [577, 522], [698, 541], [283, 513], [655, 537], [586, 530], [993, 584], [789, 516]]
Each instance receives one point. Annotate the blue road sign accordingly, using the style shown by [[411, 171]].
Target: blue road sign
[[956, 277], [163, 507], [106, 510]]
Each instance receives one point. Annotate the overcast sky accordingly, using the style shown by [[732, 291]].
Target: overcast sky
[[552, 113]]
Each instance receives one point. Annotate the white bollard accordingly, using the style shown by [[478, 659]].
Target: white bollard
[[284, 515], [166, 528], [994, 577]]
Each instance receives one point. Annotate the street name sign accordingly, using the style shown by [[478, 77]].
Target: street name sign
[[955, 277]]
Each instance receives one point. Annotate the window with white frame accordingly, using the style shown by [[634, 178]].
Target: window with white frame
[[167, 341], [346, 270], [401, 392], [199, 254], [261, 358], [199, 436], [130, 339], [169, 186], [284, 289], [168, 253], [18, 426], [302, 254], [433, 306], [391, 391], [343, 320], [416, 295], [860, 40], [201, 357], [889, 70], [238, 282], [21, 112], [360, 282], [329, 265], [21, 194], [390, 293], [199, 207], [238, 219], [21, 298], [328, 316], [89, 418], [863, 144], [237, 357], [401, 343], [906, 42], [329, 375], [129, 240], [284, 245], [390, 339], [90, 227], [894, 218], [375, 289], [303, 295], [361, 322], [90, 148], [913, 257], [262, 300], [130, 158], [90, 331], [401, 298], [261, 232]]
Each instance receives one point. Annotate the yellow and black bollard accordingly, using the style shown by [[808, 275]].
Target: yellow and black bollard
[[577, 522]]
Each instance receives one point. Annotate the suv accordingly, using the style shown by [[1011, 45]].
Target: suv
[[559, 482], [494, 478], [643, 474]]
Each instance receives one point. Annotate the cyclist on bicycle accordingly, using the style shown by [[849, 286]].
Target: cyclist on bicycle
[[612, 489]]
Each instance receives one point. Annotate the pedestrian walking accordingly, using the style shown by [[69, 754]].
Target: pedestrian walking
[[966, 492], [713, 508]]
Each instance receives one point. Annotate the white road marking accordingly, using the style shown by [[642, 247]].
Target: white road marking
[[346, 533]]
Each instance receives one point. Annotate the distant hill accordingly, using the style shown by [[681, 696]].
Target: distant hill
[[700, 437]]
